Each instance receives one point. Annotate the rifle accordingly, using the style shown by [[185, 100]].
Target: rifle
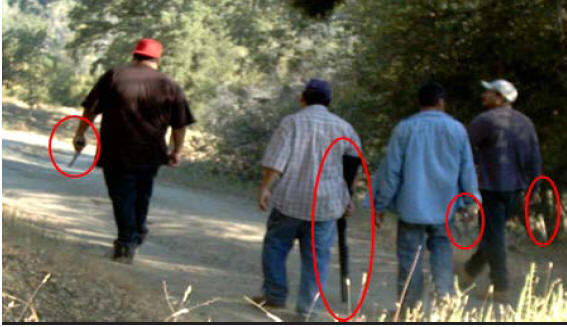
[[350, 168]]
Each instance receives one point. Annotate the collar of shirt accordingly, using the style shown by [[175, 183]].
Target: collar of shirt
[[506, 106], [432, 112], [315, 107]]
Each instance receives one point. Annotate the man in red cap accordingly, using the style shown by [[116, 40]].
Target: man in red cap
[[138, 103]]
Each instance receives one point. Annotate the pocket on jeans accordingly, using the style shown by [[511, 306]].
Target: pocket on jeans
[[276, 218]]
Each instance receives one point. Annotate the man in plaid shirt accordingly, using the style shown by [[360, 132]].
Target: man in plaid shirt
[[290, 165]]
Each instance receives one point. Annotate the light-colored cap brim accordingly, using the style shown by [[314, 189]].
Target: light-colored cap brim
[[487, 85]]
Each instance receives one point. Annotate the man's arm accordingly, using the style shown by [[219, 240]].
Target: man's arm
[[177, 139], [390, 174], [79, 141], [477, 130], [269, 177], [533, 157], [274, 162], [91, 108], [350, 172], [181, 117], [468, 180]]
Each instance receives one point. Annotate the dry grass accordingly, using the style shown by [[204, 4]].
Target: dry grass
[[47, 279], [180, 308], [547, 306]]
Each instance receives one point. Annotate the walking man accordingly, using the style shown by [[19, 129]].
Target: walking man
[[290, 167], [508, 158], [428, 162], [138, 103]]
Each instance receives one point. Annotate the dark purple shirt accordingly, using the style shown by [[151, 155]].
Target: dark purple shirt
[[506, 149]]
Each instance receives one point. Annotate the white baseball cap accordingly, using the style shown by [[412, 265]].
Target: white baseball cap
[[505, 88]]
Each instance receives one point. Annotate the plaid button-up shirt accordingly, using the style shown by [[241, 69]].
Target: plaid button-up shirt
[[296, 150]]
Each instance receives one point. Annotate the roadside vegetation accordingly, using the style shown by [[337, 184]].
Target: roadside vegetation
[[242, 64]]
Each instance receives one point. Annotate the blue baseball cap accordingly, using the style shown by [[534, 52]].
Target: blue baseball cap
[[320, 87]]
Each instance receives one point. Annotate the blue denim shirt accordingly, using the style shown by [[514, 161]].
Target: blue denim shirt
[[428, 162]]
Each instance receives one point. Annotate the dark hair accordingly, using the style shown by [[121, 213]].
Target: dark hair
[[314, 97], [430, 94], [139, 57]]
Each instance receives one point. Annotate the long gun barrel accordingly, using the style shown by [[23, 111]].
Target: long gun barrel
[[350, 169]]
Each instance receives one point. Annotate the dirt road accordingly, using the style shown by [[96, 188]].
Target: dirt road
[[209, 240]]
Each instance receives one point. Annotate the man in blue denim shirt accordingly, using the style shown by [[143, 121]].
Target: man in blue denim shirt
[[428, 162]]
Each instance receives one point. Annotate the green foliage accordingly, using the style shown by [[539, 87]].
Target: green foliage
[[35, 65], [243, 63], [25, 61], [198, 52], [317, 8], [402, 44]]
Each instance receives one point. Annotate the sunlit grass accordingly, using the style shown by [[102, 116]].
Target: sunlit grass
[[532, 306]]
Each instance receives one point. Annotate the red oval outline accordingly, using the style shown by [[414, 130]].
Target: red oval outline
[[482, 221], [527, 211], [97, 147], [313, 209]]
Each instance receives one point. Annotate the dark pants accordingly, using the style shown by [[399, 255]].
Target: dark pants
[[130, 192], [498, 206], [410, 237], [282, 231]]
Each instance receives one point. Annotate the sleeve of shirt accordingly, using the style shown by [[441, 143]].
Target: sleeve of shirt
[[350, 150], [278, 151], [477, 133], [181, 112], [390, 172], [533, 160], [468, 181], [102, 87]]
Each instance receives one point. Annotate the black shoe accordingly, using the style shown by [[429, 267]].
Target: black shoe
[[141, 239], [265, 302], [123, 254], [118, 251]]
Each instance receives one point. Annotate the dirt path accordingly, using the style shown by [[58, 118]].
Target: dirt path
[[209, 240]]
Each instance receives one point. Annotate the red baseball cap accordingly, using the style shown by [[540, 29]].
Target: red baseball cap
[[149, 48]]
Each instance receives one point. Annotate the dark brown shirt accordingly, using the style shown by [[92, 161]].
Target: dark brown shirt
[[137, 105]]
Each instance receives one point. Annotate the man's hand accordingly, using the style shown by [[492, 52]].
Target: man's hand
[[264, 198], [268, 179], [79, 142], [174, 159], [536, 198], [468, 214], [379, 220], [350, 209]]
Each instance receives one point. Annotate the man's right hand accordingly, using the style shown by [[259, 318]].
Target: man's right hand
[[79, 142], [264, 199]]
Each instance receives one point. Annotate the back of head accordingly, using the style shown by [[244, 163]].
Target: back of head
[[430, 94], [317, 91]]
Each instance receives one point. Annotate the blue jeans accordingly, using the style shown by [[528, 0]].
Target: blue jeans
[[130, 192], [410, 237], [498, 207], [281, 232]]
